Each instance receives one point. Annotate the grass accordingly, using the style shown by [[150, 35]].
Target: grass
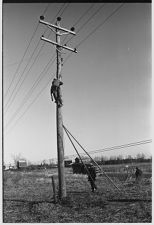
[[28, 197]]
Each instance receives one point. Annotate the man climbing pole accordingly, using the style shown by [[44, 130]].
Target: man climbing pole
[[55, 91], [92, 178]]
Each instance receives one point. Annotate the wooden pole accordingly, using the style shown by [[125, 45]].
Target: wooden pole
[[54, 189], [60, 146], [59, 119]]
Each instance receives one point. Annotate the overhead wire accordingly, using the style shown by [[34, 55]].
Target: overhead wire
[[31, 104], [13, 95], [39, 78], [101, 24], [88, 20], [13, 78], [44, 43], [94, 30], [96, 12], [45, 10], [30, 91], [73, 25], [81, 17], [117, 147], [14, 63]]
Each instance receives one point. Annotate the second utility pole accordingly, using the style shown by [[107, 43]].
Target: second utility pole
[[59, 119]]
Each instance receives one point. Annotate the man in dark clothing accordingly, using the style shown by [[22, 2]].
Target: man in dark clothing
[[77, 160], [138, 174], [55, 91], [92, 178]]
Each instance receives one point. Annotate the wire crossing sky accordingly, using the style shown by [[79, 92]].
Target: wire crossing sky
[[25, 53], [107, 84], [13, 94], [40, 77]]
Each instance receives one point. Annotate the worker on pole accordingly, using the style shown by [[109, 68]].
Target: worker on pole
[[55, 91]]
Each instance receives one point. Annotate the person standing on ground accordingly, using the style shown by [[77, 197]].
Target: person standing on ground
[[138, 174], [92, 178]]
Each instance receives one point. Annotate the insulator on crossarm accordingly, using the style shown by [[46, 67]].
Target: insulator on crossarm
[[72, 29], [41, 17], [58, 18]]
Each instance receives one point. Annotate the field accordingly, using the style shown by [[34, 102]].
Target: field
[[28, 197]]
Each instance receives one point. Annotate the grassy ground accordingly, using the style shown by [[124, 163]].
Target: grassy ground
[[28, 197]]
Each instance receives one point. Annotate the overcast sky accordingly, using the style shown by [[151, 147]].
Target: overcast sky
[[107, 84]]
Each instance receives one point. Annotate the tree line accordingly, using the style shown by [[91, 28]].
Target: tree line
[[139, 158]]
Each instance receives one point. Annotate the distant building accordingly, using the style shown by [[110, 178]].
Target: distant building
[[21, 164]]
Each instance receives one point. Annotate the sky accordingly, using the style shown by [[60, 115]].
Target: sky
[[107, 84]]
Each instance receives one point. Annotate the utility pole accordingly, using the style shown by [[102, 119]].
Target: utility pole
[[59, 119]]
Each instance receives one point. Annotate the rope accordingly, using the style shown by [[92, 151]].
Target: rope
[[79, 155], [92, 159]]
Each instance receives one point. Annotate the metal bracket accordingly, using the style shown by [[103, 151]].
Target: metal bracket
[[60, 51], [51, 29], [60, 34], [64, 33]]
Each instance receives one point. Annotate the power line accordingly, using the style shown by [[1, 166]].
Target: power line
[[94, 30], [107, 149], [88, 20], [14, 63], [21, 61], [45, 10], [101, 24], [33, 101], [28, 95], [66, 6], [68, 40], [39, 78], [84, 14], [14, 95], [81, 17], [23, 56], [30, 92]]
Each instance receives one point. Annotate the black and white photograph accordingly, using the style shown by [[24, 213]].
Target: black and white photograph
[[76, 111]]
